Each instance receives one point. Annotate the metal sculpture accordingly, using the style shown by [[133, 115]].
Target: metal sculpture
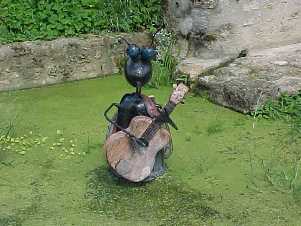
[[138, 72]]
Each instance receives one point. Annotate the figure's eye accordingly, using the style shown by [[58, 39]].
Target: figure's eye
[[148, 54], [133, 51]]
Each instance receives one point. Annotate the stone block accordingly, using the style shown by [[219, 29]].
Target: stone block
[[38, 63]]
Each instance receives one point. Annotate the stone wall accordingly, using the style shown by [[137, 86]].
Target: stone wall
[[38, 63], [215, 28], [241, 52]]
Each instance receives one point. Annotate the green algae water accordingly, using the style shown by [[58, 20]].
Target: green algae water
[[227, 169]]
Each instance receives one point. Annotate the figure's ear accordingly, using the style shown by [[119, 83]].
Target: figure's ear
[[148, 54], [133, 51]]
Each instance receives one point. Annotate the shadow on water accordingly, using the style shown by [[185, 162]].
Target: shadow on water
[[10, 221], [162, 199], [19, 217], [21, 214]]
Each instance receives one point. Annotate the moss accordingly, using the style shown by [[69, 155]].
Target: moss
[[210, 37], [214, 128], [10, 221], [215, 175], [163, 199], [120, 62]]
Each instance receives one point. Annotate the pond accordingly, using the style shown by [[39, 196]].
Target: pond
[[226, 168]]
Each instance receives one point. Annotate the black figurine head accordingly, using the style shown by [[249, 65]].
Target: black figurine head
[[138, 73], [138, 68]]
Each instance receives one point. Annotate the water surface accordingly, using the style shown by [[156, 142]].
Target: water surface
[[226, 168]]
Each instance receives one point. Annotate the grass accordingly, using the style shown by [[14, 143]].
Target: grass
[[161, 76], [216, 174], [282, 177], [164, 66], [287, 107], [283, 173]]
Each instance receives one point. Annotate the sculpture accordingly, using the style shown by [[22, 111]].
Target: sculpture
[[139, 120]]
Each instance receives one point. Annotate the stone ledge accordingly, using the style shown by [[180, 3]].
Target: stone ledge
[[39, 63], [194, 67], [249, 82]]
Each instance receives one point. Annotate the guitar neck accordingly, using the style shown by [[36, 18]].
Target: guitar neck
[[157, 122], [169, 107]]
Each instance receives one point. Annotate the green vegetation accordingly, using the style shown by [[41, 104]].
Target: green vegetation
[[45, 19], [161, 200], [165, 64], [27, 142], [287, 107], [7, 130], [163, 72], [214, 128], [284, 173], [226, 168]]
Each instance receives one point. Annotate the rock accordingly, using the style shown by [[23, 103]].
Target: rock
[[254, 24], [38, 63], [186, 19], [247, 83], [195, 67], [280, 63]]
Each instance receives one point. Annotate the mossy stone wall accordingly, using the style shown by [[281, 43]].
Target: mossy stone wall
[[38, 63]]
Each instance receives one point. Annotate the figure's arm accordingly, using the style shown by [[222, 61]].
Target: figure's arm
[[151, 107]]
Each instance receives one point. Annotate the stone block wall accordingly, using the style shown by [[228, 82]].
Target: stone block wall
[[215, 28], [38, 63]]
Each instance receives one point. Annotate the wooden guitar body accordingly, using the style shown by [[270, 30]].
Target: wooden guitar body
[[131, 153], [129, 159]]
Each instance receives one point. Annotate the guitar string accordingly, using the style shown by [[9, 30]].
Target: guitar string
[[155, 126], [150, 131]]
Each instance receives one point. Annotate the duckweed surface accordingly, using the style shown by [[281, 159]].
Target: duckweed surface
[[227, 169]]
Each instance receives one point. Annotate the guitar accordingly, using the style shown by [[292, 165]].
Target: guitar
[[133, 159]]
